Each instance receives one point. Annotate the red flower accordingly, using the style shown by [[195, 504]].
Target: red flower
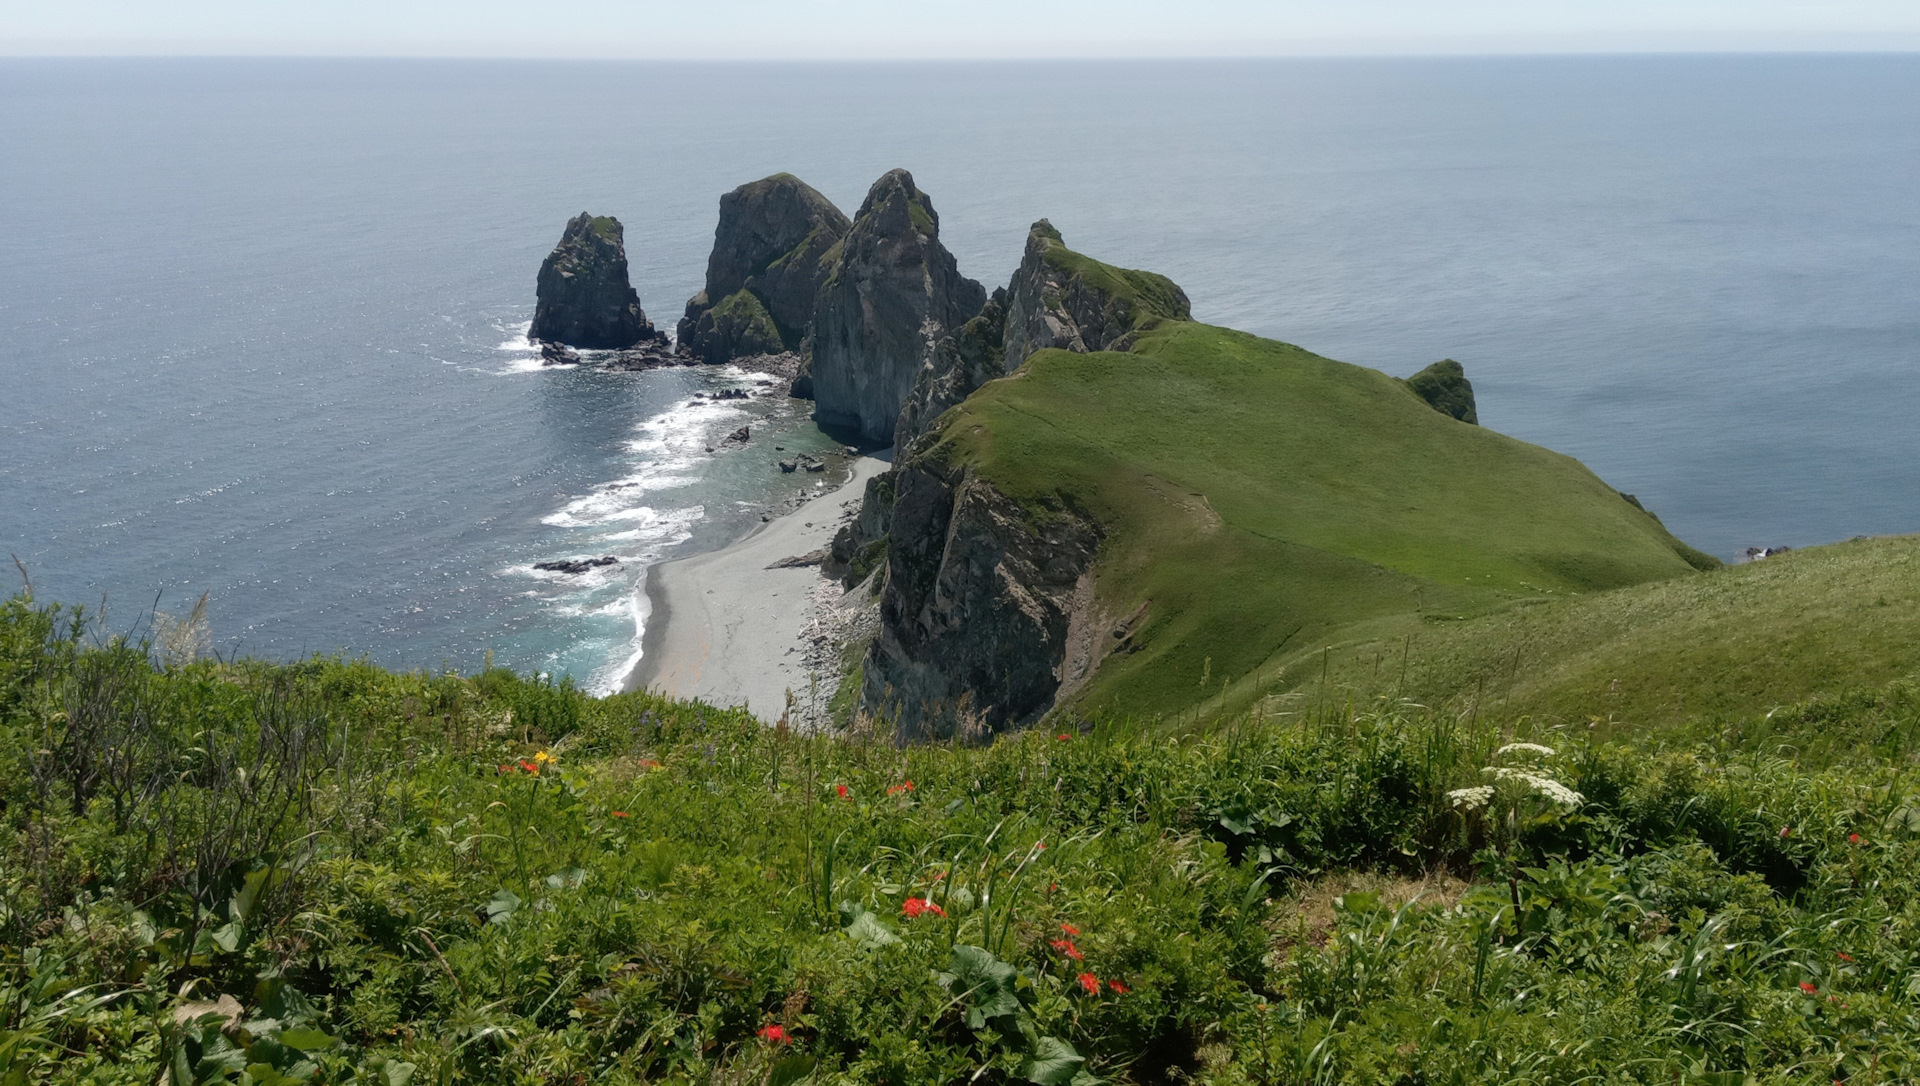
[[775, 1035], [916, 906], [1845, 957], [841, 791], [904, 786], [1853, 839], [506, 769], [1786, 831], [1090, 982], [1063, 737], [649, 763], [1117, 988], [1808, 987], [619, 814], [1065, 946], [530, 767], [1069, 929]]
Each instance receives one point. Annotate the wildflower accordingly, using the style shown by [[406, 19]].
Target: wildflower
[[619, 814], [649, 763], [506, 769], [1069, 929], [841, 791], [543, 758], [775, 1035], [1039, 846], [1065, 946], [1062, 737], [1808, 987], [1090, 982], [1471, 798], [529, 767], [1524, 748], [1786, 831], [1853, 839], [1117, 988], [904, 786], [1543, 786], [917, 906], [1845, 957]]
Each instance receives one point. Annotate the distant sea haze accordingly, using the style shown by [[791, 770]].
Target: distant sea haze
[[262, 322]]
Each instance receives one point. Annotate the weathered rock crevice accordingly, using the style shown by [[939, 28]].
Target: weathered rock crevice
[[980, 595], [583, 296]]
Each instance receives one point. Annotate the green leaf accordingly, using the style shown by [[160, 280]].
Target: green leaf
[[502, 905], [265, 1074], [790, 1069], [989, 984], [868, 929], [1053, 1063], [398, 1073], [306, 1040]]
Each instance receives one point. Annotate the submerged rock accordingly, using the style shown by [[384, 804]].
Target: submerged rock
[[1445, 387], [893, 293], [584, 298], [771, 252], [1060, 298], [576, 565]]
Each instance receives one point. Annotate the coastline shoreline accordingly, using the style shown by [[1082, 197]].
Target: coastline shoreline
[[728, 626]]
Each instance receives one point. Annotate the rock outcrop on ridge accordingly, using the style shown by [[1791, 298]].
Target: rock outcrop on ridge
[[894, 292], [584, 298], [1445, 387], [771, 251], [1062, 299]]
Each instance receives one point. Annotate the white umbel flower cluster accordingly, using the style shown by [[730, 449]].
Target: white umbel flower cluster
[[1472, 798], [1541, 785], [1524, 748]]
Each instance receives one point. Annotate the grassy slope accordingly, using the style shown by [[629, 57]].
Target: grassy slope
[[1265, 499], [1729, 645]]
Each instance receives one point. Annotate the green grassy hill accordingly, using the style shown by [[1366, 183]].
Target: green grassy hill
[[236, 873], [1260, 500]]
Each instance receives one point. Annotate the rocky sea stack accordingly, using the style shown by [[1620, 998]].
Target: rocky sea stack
[[772, 250], [894, 292], [584, 297], [1060, 298]]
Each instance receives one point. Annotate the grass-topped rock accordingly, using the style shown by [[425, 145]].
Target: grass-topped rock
[[584, 298], [1064, 299], [1445, 387], [770, 255]]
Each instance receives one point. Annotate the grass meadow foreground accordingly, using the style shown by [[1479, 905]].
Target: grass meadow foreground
[[242, 872]]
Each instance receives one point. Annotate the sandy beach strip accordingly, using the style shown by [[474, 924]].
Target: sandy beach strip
[[727, 629]]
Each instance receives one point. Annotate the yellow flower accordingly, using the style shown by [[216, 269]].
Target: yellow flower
[[544, 758]]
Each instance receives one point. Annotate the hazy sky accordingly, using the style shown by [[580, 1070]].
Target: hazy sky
[[906, 29]]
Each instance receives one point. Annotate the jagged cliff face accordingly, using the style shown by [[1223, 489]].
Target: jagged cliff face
[[961, 363], [1061, 299], [584, 298], [893, 294], [980, 600], [770, 256]]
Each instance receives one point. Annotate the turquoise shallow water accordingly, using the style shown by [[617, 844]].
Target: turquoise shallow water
[[259, 320]]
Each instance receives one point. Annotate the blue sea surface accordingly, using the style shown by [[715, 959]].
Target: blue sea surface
[[262, 321]]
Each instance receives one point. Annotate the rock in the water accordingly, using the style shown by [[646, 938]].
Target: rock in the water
[[892, 295], [742, 434], [576, 565], [770, 255], [961, 363], [1060, 298], [1445, 387], [584, 298], [558, 354]]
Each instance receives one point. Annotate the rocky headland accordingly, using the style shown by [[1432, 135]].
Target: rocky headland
[[893, 293], [583, 296], [773, 248]]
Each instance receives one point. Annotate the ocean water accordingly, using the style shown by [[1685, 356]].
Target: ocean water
[[261, 322]]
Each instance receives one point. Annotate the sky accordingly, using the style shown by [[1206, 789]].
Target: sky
[[935, 29]]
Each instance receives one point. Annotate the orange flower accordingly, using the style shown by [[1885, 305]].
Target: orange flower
[[1117, 988], [904, 786], [1845, 957], [649, 763], [1808, 987], [1069, 929], [1853, 839], [916, 906], [619, 814], [1065, 946], [529, 767], [1063, 737], [1090, 982], [841, 791], [775, 1035]]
